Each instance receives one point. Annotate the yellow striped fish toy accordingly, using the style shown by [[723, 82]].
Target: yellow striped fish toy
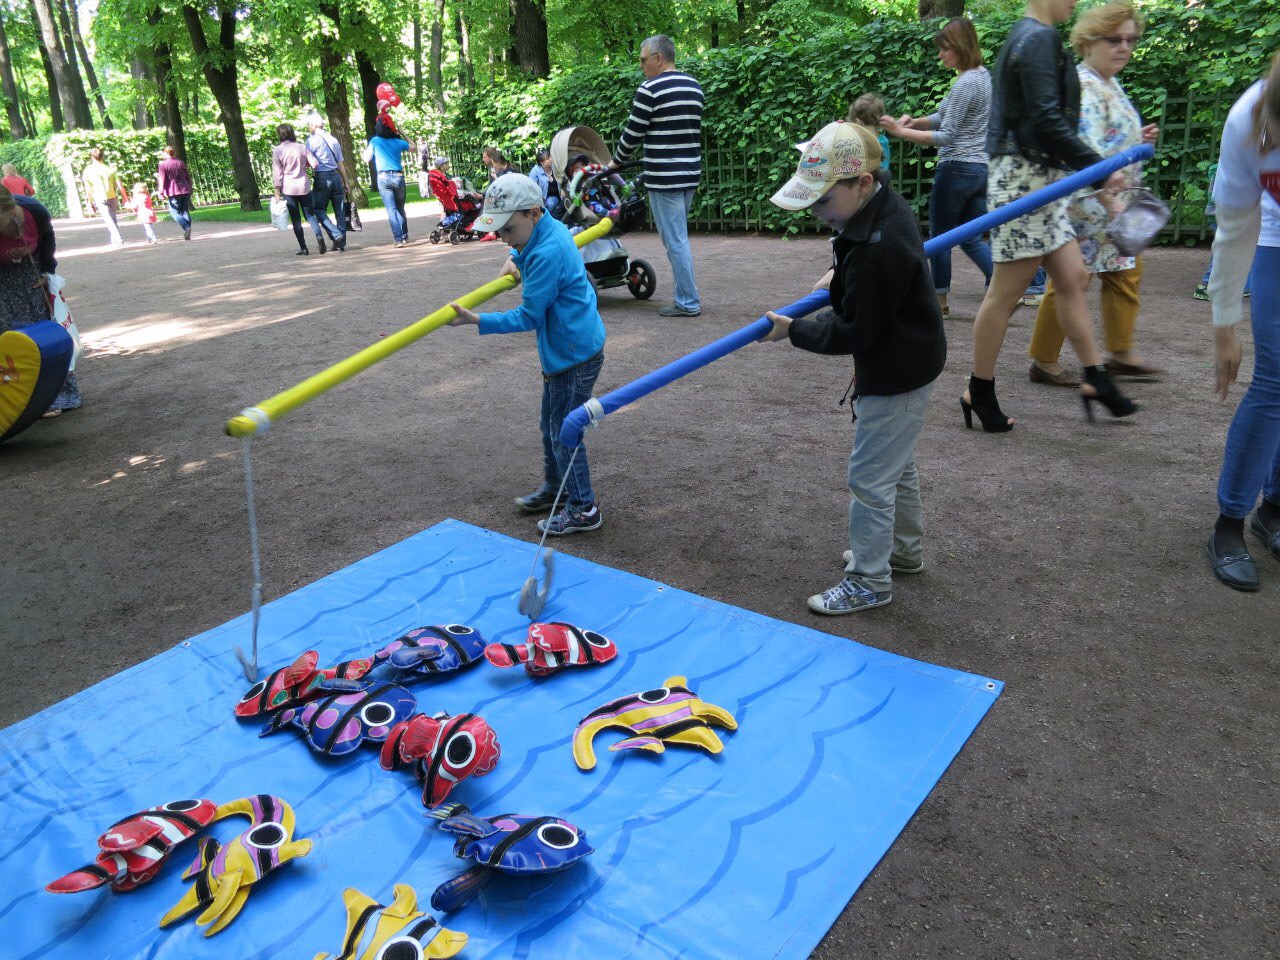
[[375, 932]]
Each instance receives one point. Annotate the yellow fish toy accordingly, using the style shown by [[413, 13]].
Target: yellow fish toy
[[373, 928]]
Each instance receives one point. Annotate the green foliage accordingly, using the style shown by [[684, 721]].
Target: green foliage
[[29, 157]]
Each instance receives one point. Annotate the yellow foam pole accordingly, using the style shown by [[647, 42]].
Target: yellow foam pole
[[257, 419]]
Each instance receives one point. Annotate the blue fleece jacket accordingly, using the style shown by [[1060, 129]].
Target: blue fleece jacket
[[559, 301]]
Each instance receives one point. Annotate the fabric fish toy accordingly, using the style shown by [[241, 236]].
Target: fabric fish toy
[[224, 875], [431, 650], [298, 683], [672, 714], [339, 723], [518, 846], [134, 849], [262, 808], [552, 646], [376, 932], [443, 751]]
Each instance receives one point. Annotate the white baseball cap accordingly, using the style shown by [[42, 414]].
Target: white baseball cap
[[510, 193], [839, 151]]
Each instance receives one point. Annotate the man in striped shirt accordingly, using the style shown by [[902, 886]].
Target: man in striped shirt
[[666, 116]]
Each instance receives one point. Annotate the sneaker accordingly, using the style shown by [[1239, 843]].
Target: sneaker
[[570, 521], [488, 236], [186, 233], [537, 501], [399, 243], [848, 597], [674, 311], [896, 565], [1202, 291], [1031, 299], [323, 248]]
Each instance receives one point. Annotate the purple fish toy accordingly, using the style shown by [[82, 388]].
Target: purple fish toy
[[426, 651], [339, 723]]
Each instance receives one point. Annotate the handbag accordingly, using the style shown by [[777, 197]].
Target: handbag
[[1136, 226], [61, 314], [280, 214]]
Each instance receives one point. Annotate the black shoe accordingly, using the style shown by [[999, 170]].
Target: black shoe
[[1117, 404], [1270, 537], [1235, 570], [323, 248], [303, 252], [982, 401]]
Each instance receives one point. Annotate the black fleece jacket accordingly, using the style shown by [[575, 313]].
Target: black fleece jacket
[[884, 310]]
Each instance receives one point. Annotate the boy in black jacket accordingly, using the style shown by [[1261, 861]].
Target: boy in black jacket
[[884, 312]]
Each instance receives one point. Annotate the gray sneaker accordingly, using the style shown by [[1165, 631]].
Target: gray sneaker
[[674, 311], [537, 501], [571, 521], [896, 565], [848, 597]]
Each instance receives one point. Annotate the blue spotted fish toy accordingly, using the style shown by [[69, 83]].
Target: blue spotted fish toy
[[426, 651], [517, 846], [339, 723]]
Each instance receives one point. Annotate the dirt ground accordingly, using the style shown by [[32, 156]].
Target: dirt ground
[[1118, 801]]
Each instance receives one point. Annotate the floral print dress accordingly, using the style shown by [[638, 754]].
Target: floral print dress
[[1110, 124]]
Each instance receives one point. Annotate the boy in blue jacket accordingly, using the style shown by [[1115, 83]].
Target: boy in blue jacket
[[560, 306]]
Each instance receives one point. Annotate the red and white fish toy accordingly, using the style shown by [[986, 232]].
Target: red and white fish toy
[[298, 683], [443, 751], [551, 647], [135, 848]]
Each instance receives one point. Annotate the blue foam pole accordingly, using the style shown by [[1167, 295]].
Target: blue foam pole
[[577, 420]]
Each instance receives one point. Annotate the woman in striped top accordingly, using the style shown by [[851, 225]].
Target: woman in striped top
[[958, 128]]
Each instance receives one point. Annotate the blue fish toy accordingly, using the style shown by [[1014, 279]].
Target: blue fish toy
[[339, 723], [510, 844], [426, 651]]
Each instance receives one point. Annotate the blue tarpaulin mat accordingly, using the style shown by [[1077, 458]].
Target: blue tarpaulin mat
[[750, 854]]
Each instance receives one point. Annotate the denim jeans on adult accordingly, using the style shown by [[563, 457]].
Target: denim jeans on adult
[[561, 393], [885, 518], [1251, 461], [391, 187], [327, 187], [180, 210], [670, 209], [959, 195]]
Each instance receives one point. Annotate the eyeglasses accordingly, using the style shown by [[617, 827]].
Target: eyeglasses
[[1130, 42], [646, 56]]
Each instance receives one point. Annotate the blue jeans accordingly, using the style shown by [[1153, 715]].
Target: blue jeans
[[885, 519], [327, 187], [561, 393], [670, 209], [1038, 282], [1251, 461], [959, 195], [180, 210], [391, 187]]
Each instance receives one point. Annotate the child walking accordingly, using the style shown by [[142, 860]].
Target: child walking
[[143, 209], [884, 313], [560, 306], [863, 112]]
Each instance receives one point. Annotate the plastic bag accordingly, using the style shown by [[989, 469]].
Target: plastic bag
[[1133, 230], [61, 314], [280, 214]]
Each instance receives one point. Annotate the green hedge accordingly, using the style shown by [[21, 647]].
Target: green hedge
[[29, 157]]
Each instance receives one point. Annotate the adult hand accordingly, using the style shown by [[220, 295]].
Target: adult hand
[[1151, 133], [509, 269], [825, 282], [464, 316], [1226, 360], [894, 127], [781, 327], [279, 195]]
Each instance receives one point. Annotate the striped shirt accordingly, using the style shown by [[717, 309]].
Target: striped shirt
[[960, 123], [666, 116]]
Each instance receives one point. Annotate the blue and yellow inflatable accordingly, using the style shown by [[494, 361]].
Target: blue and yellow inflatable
[[34, 361]]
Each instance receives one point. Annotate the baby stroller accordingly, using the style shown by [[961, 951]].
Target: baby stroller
[[457, 225], [587, 193]]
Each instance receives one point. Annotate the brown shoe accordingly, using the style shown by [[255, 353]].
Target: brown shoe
[[1133, 369], [1064, 379]]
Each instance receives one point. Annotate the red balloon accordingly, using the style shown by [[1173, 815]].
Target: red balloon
[[386, 91], [394, 99]]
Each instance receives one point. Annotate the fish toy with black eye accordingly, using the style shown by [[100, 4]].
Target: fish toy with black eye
[[300, 682], [551, 647], [339, 723], [133, 850], [442, 750], [398, 932], [224, 876], [510, 844], [428, 651]]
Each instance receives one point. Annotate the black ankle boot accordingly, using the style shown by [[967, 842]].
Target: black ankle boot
[[982, 401], [1117, 404]]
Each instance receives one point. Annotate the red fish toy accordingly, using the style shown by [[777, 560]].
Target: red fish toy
[[551, 647], [442, 750], [298, 683], [135, 848]]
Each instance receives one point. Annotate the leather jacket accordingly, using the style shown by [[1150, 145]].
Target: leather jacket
[[1035, 101]]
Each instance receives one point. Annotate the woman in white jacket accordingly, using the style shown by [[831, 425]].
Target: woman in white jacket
[[1247, 195]]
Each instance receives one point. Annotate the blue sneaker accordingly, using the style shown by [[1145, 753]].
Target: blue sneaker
[[848, 597], [572, 521]]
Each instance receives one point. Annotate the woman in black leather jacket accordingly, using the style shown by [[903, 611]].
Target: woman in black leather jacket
[[1032, 140]]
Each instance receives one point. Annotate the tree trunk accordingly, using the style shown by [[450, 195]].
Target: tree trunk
[[369, 103], [140, 104], [60, 83], [27, 113], [929, 9], [529, 37], [437, 54], [84, 116], [417, 54], [466, 69], [337, 108], [89, 72], [222, 80], [715, 34], [9, 87], [177, 135]]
